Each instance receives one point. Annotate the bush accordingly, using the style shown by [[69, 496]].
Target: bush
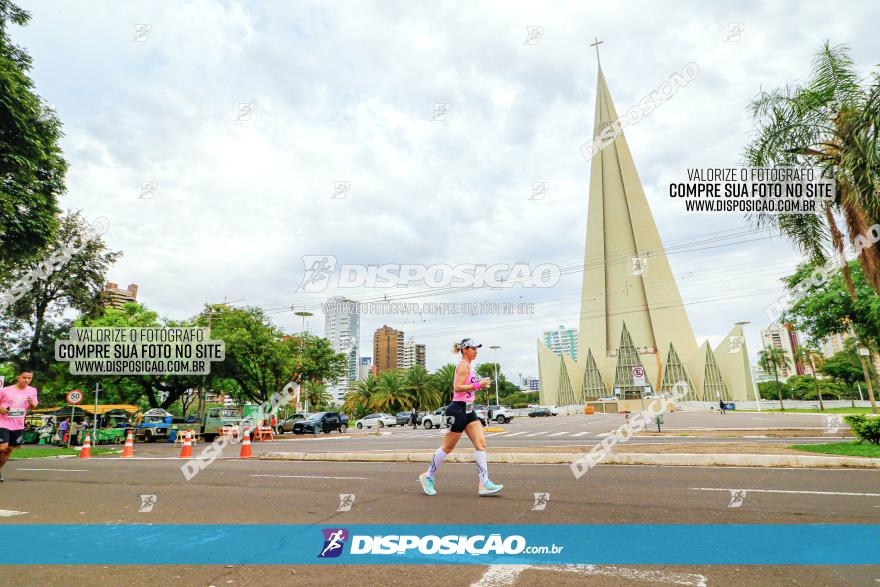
[[867, 429]]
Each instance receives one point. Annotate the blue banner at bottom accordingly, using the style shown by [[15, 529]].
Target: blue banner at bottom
[[269, 544]]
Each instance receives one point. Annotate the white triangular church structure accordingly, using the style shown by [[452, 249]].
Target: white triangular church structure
[[631, 311]]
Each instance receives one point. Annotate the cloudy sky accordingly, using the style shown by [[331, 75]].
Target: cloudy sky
[[151, 93]]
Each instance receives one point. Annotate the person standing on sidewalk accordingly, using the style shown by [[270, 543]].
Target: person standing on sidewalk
[[721, 406], [460, 413]]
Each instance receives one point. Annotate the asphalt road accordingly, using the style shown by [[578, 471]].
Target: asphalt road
[[109, 490]]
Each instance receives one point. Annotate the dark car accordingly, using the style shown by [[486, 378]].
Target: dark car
[[325, 422], [540, 412], [404, 418], [286, 425]]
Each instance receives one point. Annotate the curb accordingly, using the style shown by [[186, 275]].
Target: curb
[[684, 460]]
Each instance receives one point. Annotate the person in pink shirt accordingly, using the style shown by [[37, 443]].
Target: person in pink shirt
[[15, 401], [461, 418]]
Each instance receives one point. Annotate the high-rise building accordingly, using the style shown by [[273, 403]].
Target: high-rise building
[[413, 354], [631, 315], [834, 344], [784, 338], [531, 384], [365, 367], [115, 297], [387, 349], [342, 329], [562, 341]]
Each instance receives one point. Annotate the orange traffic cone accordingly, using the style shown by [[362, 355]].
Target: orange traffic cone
[[128, 450], [246, 445], [186, 452], [86, 452]]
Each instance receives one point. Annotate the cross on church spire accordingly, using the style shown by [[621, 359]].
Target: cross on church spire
[[596, 42]]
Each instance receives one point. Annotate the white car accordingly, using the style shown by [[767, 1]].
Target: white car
[[610, 398], [376, 420]]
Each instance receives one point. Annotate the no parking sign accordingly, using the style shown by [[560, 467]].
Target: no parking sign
[[638, 376]]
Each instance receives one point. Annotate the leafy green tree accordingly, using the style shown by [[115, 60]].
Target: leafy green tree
[[423, 396], [76, 285], [442, 380], [831, 123], [845, 365], [358, 400], [316, 394], [810, 356], [31, 162], [772, 359], [261, 359], [391, 395]]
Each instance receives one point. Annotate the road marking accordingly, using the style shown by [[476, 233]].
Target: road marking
[[537, 433], [559, 433], [785, 491], [503, 575], [10, 513], [518, 433], [67, 470], [308, 477], [580, 434]]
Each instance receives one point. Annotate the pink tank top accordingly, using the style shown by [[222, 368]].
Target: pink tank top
[[466, 396]]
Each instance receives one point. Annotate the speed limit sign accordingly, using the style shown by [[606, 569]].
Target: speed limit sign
[[74, 397]]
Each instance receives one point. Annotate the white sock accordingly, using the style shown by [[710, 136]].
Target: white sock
[[436, 461], [482, 466]]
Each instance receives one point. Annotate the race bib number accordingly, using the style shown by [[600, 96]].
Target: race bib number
[[16, 412], [469, 407]]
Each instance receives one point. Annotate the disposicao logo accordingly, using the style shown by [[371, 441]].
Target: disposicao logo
[[334, 541]]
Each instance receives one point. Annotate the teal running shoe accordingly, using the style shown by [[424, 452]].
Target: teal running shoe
[[427, 484], [489, 488]]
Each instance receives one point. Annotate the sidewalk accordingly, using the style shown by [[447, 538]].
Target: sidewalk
[[715, 454]]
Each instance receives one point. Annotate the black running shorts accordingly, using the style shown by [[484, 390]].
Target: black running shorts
[[11, 437], [458, 417]]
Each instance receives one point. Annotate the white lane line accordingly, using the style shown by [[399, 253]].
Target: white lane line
[[518, 433], [10, 513], [580, 434], [559, 433], [308, 477], [537, 433], [785, 491], [66, 470], [504, 575]]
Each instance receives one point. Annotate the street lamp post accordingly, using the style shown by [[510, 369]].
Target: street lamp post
[[495, 347], [303, 314]]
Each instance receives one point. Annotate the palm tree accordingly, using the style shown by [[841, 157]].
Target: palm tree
[[773, 359], [418, 384], [814, 359], [442, 380], [358, 401], [316, 394], [832, 123], [391, 393]]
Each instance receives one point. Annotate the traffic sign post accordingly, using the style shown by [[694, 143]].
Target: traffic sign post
[[638, 374], [73, 397]]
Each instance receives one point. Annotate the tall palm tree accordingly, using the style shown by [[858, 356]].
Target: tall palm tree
[[391, 393], [418, 384], [358, 401], [442, 380], [316, 394], [773, 359], [832, 123], [813, 358]]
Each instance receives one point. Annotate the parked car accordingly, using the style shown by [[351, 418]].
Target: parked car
[[539, 413], [325, 422], [482, 414], [610, 398], [403, 418], [435, 420], [500, 414], [286, 425], [376, 420]]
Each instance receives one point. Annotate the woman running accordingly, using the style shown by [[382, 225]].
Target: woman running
[[460, 413]]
